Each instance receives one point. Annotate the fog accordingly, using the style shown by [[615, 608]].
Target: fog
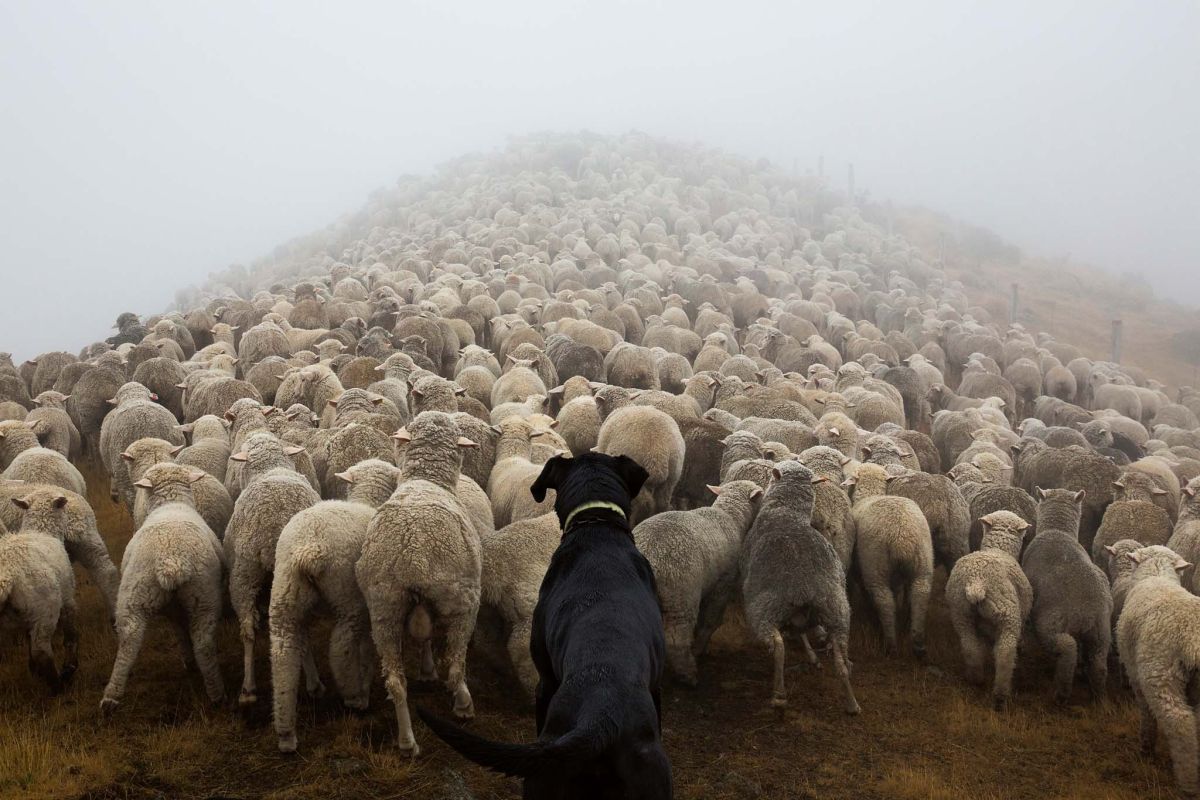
[[143, 145]]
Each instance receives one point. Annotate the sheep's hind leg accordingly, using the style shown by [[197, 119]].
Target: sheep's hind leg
[[458, 638], [130, 633], [41, 653], [841, 665], [779, 659], [388, 615], [244, 582]]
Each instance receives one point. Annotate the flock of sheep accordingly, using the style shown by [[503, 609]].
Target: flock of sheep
[[352, 427]]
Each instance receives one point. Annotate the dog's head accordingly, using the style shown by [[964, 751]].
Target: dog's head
[[588, 478]]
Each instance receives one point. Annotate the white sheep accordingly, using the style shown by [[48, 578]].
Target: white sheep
[[989, 597], [420, 566], [172, 558], [314, 564], [694, 555], [894, 549], [1158, 637], [273, 492], [37, 585]]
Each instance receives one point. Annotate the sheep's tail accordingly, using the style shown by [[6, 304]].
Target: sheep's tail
[[308, 559], [420, 625], [171, 572], [565, 755], [976, 590]]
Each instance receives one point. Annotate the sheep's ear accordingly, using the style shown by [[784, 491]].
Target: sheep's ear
[[198, 475], [181, 386], [553, 471], [381, 368], [376, 401], [126, 456], [1118, 485], [776, 474], [496, 429], [112, 401], [465, 442], [459, 391], [557, 390], [846, 484], [176, 450], [835, 431], [144, 484], [1111, 549], [512, 360], [59, 501], [21, 503], [1039, 493], [1134, 556], [239, 457], [1158, 492], [229, 416], [1190, 491], [1023, 525], [756, 493], [769, 455], [344, 476], [1181, 565], [293, 451], [714, 489], [818, 479], [417, 393], [986, 479], [330, 403], [402, 435], [1079, 496]]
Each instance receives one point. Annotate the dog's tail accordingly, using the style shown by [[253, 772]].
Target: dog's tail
[[564, 754]]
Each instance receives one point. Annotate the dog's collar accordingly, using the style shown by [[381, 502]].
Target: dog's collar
[[594, 504]]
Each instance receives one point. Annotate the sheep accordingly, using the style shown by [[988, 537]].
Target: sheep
[[1131, 516], [172, 558], [272, 493], [1160, 648], [651, 438], [831, 509], [579, 424], [894, 548], [515, 559], [78, 531], [989, 597], [1185, 537], [208, 447], [37, 586], [945, 509], [1120, 574], [1073, 468], [1072, 602], [513, 474], [53, 425], [314, 563], [790, 573], [350, 445], [135, 416], [694, 555], [419, 571], [212, 501], [23, 459], [517, 384]]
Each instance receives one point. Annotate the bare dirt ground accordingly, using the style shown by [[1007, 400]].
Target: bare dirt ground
[[923, 734]]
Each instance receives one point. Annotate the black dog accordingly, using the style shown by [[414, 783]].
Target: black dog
[[598, 646]]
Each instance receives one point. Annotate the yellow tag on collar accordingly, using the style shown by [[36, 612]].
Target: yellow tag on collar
[[593, 504]]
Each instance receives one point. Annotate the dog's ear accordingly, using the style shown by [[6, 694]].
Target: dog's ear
[[552, 473], [632, 474]]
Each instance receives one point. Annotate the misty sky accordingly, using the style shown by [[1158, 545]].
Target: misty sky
[[143, 145]]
